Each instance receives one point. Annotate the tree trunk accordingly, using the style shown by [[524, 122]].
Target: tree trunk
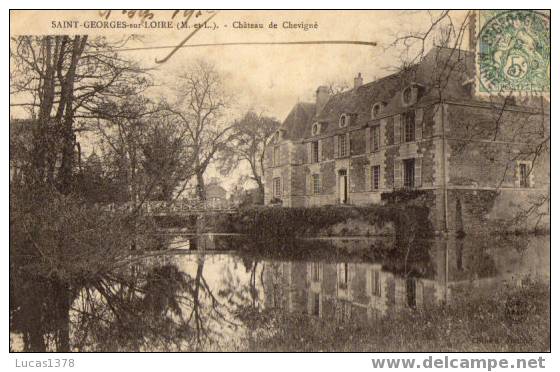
[[62, 311], [67, 119], [261, 190], [260, 179], [46, 99], [200, 187]]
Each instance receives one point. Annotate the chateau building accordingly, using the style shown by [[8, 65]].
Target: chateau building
[[422, 128]]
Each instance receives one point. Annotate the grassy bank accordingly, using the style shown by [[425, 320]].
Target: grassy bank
[[514, 319]]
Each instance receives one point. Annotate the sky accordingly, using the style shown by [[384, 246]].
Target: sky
[[270, 79]]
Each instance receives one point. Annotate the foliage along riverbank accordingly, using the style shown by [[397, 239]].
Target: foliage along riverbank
[[515, 319], [283, 223]]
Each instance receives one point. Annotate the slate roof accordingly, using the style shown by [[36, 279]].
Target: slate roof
[[298, 120], [356, 101], [445, 67], [215, 191]]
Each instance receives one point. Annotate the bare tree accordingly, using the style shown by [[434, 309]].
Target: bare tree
[[250, 136], [337, 86], [199, 108]]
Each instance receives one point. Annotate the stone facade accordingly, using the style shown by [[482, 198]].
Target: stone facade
[[406, 131]]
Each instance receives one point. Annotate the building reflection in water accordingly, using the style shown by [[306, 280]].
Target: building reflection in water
[[365, 291], [204, 300]]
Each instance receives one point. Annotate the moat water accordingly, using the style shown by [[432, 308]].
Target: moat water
[[197, 293]]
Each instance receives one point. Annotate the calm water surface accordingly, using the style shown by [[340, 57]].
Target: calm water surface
[[196, 295]]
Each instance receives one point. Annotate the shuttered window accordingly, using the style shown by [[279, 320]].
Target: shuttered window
[[336, 147], [419, 119], [397, 129], [276, 156], [397, 174]]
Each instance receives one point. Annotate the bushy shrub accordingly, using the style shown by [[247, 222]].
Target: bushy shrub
[[289, 223], [176, 221], [405, 196], [65, 239]]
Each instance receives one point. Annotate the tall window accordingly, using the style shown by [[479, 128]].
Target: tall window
[[375, 138], [276, 155], [375, 173], [375, 284], [316, 184], [315, 152], [342, 148], [276, 184], [408, 173], [409, 126], [524, 175]]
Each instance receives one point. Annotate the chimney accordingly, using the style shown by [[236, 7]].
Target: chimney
[[322, 96], [358, 81]]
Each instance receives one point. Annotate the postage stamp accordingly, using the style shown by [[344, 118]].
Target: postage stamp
[[513, 52]]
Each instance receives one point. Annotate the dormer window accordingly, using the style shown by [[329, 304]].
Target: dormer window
[[315, 129], [377, 109], [278, 136], [411, 94], [343, 122], [407, 96]]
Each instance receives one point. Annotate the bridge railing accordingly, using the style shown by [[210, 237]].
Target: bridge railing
[[176, 206]]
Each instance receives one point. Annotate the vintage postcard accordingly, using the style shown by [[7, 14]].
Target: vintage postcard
[[293, 181]]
